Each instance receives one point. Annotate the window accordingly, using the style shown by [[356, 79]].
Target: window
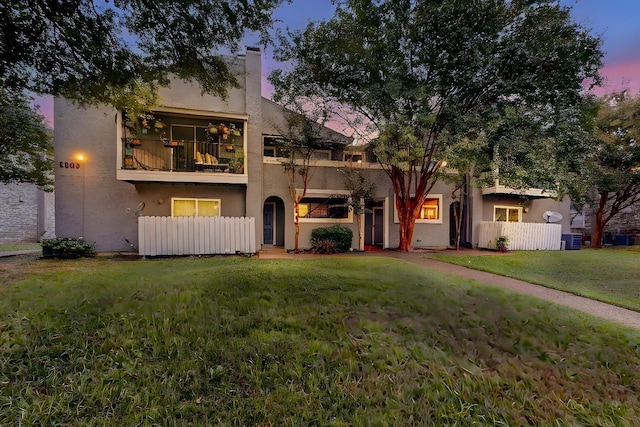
[[430, 210], [355, 157], [195, 207], [333, 208], [430, 213], [507, 214], [321, 155]]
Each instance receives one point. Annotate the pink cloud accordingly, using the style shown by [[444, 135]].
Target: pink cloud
[[621, 75]]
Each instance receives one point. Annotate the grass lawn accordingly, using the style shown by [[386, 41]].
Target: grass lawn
[[336, 341], [9, 247], [611, 274]]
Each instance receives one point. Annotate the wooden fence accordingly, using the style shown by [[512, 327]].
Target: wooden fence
[[523, 236], [159, 235]]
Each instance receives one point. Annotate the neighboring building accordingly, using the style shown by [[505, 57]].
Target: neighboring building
[[180, 168], [622, 229], [27, 212]]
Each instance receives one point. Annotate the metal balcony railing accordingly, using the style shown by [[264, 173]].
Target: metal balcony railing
[[182, 156]]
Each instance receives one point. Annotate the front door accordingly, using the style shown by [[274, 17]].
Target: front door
[[378, 226], [268, 222]]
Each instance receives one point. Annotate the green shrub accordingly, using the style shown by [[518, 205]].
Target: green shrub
[[328, 240], [502, 243], [67, 247]]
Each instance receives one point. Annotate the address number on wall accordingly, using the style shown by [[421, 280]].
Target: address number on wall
[[69, 165]]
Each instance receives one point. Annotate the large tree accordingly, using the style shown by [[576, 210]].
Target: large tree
[[615, 171], [108, 52], [25, 143], [116, 53], [300, 136], [426, 74]]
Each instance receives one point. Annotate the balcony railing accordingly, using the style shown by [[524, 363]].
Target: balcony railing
[[182, 156]]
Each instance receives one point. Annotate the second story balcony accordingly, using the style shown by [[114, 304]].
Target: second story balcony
[[183, 149]]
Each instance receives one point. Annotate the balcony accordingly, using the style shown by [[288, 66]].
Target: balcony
[[184, 153]]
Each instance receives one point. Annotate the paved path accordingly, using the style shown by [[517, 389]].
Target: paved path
[[606, 311]]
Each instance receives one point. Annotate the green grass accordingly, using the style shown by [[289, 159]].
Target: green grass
[[335, 341], [9, 247], [611, 275]]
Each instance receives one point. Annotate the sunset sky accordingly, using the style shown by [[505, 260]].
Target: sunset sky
[[616, 21]]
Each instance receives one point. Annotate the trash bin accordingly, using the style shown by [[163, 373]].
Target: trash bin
[[573, 241], [622, 239]]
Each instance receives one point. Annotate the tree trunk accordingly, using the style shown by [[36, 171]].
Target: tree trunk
[[459, 218], [406, 212], [598, 229], [296, 221]]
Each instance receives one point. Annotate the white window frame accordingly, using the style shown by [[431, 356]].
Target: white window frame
[[326, 194], [518, 208], [196, 199], [396, 217]]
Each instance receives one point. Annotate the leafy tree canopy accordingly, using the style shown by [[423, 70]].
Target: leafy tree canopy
[[25, 143], [614, 171], [426, 74], [110, 52], [117, 52]]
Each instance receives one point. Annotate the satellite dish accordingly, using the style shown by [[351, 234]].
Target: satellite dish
[[138, 210], [551, 216], [141, 206]]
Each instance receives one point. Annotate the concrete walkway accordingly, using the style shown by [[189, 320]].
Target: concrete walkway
[[606, 311]]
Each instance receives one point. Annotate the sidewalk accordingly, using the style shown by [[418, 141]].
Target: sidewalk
[[596, 308]]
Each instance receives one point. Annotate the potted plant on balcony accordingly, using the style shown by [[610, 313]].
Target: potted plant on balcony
[[237, 165]]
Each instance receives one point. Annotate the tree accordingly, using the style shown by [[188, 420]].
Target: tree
[[360, 189], [297, 142], [118, 54], [425, 74], [25, 143], [615, 171], [96, 52]]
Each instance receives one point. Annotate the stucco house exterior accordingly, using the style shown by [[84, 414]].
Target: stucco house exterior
[[206, 156]]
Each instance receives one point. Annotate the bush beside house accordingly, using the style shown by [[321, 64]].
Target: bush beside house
[[329, 240]]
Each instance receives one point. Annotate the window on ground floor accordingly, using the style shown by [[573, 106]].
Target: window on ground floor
[[430, 212], [507, 214], [195, 207], [332, 208]]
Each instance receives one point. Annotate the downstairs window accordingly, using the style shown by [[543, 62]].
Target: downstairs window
[[195, 207]]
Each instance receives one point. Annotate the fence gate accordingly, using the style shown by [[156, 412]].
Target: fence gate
[[161, 235]]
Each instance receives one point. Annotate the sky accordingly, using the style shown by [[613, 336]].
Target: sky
[[617, 22]]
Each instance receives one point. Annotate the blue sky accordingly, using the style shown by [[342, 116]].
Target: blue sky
[[616, 21]]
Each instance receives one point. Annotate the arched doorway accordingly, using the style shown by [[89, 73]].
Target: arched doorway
[[273, 221]]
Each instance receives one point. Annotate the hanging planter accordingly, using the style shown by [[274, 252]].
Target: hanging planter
[[212, 129]]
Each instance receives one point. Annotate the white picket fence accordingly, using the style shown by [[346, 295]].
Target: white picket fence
[[523, 236], [161, 235]]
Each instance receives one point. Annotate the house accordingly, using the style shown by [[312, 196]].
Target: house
[[199, 155]]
